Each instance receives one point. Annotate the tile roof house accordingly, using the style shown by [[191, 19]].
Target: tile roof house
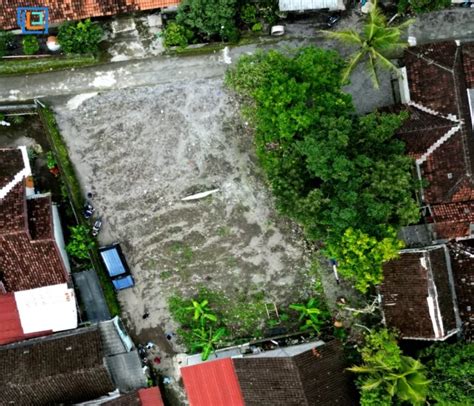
[[438, 89], [305, 374], [64, 368], [29, 245], [418, 294], [37, 312], [64, 10]]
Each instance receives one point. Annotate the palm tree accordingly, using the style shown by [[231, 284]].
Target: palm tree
[[376, 43], [408, 382], [201, 311]]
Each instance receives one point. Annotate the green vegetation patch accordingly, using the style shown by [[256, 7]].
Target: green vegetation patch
[[38, 65]]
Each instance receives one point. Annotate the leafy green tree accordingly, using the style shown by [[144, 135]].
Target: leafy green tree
[[376, 43], [205, 340], [312, 314], [422, 6], [80, 242], [6, 40], [209, 19], [387, 375], [451, 370], [80, 37], [30, 45], [362, 256], [328, 169]]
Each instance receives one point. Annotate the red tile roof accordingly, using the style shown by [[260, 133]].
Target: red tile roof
[[10, 330], [29, 256], [62, 10], [150, 396], [438, 76], [408, 283], [212, 383]]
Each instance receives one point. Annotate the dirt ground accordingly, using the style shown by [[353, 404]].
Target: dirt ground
[[141, 151]]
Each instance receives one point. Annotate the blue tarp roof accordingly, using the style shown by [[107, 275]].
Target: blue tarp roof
[[123, 283], [113, 262]]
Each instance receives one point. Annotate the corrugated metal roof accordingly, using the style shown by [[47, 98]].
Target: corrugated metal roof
[[150, 397], [10, 326], [126, 371], [300, 5], [212, 383]]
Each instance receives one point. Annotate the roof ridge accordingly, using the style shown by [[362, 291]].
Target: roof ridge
[[438, 144]]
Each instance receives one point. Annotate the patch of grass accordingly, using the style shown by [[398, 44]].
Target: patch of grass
[[68, 175], [38, 65], [184, 252], [223, 231], [166, 275]]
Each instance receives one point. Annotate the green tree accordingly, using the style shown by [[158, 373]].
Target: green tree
[[176, 35], [80, 242], [361, 256], [6, 40], [387, 374], [328, 169], [30, 45], [80, 37], [451, 370], [376, 43], [209, 19]]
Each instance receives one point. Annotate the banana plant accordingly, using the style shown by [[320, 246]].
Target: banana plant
[[201, 311], [311, 315], [206, 340]]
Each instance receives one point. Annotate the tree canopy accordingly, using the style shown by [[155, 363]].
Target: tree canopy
[[329, 169]]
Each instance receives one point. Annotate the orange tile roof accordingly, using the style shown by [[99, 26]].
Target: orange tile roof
[[63, 10]]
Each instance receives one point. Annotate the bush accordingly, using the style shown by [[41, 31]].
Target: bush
[[422, 6], [30, 45], [6, 40], [81, 242], [248, 14], [80, 37], [176, 35], [209, 19]]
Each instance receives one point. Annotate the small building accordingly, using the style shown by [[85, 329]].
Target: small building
[[418, 294], [309, 5], [67, 10], [300, 375], [72, 367]]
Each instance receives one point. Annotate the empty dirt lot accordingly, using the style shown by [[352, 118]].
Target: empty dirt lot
[[141, 151]]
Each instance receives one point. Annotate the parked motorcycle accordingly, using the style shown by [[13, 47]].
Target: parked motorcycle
[[88, 210], [96, 227]]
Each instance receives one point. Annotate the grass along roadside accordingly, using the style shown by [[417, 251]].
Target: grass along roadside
[[74, 189], [38, 65]]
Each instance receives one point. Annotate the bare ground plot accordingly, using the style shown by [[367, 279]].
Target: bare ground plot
[[140, 152]]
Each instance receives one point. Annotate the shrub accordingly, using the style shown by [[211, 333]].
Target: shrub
[[176, 35], [81, 242], [50, 160], [80, 37], [248, 14], [257, 27], [422, 6], [6, 39], [209, 19], [30, 45]]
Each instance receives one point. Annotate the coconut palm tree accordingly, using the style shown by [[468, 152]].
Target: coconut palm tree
[[376, 43]]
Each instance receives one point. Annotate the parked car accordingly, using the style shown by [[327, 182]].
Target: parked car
[[116, 267]]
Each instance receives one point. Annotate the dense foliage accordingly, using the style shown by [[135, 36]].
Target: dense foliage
[[376, 43], [176, 35], [209, 19], [339, 175], [80, 242], [6, 39], [30, 45], [451, 369], [80, 37], [386, 375], [422, 6]]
